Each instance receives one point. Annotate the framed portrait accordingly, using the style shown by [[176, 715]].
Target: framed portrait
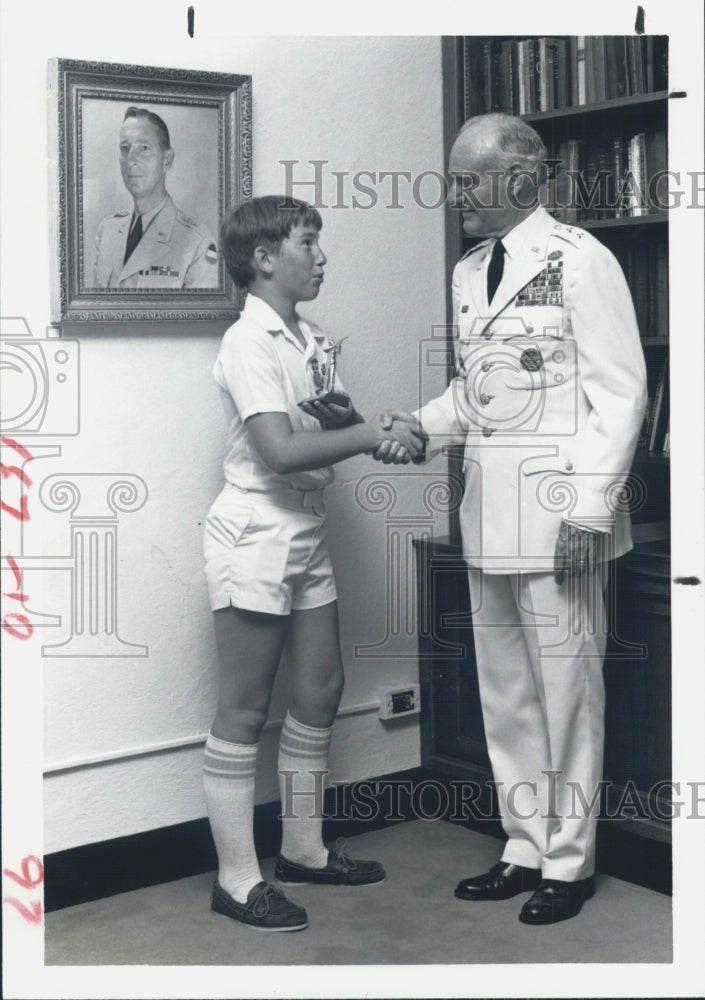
[[147, 162]]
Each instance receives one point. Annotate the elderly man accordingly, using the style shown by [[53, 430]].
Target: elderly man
[[155, 245], [548, 400]]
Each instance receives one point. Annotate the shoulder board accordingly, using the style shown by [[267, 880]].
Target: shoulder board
[[572, 234], [186, 219]]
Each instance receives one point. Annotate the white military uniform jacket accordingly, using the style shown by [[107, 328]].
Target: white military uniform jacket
[[175, 251], [548, 398]]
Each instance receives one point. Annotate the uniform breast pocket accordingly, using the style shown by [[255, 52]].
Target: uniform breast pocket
[[542, 320], [540, 363]]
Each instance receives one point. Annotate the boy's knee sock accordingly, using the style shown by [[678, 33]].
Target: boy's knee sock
[[229, 783], [303, 758]]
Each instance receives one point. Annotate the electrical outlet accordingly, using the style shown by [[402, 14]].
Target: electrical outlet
[[400, 701]]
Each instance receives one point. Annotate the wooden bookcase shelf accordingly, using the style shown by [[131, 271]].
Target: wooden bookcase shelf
[[630, 222], [613, 108]]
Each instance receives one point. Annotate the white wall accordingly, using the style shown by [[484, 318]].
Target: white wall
[[148, 408]]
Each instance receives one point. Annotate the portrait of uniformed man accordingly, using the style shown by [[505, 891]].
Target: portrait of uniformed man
[[151, 244]]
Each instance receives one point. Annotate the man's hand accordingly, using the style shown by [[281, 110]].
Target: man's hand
[[405, 440], [394, 452], [330, 415], [575, 551]]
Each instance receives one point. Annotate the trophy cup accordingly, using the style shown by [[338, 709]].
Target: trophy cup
[[324, 378]]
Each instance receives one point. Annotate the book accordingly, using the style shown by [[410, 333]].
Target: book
[[492, 75], [506, 88], [561, 74], [654, 366], [660, 62], [600, 83], [656, 152], [651, 291], [533, 82], [637, 190], [515, 75], [617, 167], [661, 405], [649, 63], [638, 285], [545, 75], [522, 76], [589, 69], [661, 319], [594, 192], [566, 180], [637, 82], [580, 93], [615, 67]]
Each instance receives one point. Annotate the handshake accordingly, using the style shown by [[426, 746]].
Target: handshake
[[405, 439], [401, 439]]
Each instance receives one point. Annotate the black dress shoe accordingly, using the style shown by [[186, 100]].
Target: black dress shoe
[[502, 881], [555, 900]]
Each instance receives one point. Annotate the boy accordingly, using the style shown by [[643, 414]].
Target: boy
[[269, 574]]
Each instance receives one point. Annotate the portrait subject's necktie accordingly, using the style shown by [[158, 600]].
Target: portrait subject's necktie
[[134, 236], [494, 271]]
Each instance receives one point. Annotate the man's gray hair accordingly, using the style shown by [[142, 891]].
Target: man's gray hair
[[509, 139]]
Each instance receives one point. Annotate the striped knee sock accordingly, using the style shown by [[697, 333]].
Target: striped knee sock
[[303, 756], [229, 783]]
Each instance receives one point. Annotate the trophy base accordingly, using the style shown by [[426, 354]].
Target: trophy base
[[337, 398]]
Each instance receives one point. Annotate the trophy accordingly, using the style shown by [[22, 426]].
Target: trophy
[[324, 378]]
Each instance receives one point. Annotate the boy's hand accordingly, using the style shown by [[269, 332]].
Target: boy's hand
[[405, 440], [331, 413], [395, 451]]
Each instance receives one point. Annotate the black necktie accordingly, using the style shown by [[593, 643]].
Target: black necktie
[[494, 271], [134, 236]]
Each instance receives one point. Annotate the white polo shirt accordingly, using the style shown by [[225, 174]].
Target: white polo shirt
[[262, 368]]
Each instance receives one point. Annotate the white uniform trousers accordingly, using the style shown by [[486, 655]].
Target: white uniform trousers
[[540, 651]]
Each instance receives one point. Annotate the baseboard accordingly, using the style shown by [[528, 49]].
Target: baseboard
[[94, 871]]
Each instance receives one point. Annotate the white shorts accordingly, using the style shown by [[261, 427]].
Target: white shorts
[[267, 551]]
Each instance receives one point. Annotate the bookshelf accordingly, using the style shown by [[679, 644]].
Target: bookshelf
[[637, 663], [600, 104]]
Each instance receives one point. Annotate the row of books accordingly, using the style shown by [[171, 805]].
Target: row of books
[[645, 266], [542, 74], [619, 177], [655, 432]]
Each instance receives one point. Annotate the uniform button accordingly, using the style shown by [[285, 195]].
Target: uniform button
[[485, 398], [487, 432], [558, 356], [486, 365], [529, 329], [569, 466], [558, 378]]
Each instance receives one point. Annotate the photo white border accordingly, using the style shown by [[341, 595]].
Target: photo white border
[[24, 973]]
